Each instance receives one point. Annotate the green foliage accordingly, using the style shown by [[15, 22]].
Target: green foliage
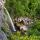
[[28, 8], [22, 7], [35, 29], [32, 34]]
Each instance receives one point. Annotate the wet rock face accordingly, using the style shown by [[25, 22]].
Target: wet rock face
[[1, 13], [1, 18], [1, 4], [2, 36]]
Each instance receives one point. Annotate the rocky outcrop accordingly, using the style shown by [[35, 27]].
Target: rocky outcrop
[[2, 34], [23, 22]]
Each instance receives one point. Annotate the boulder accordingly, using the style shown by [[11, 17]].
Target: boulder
[[23, 20], [23, 23]]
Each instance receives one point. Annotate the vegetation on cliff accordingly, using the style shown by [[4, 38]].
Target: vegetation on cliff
[[23, 8]]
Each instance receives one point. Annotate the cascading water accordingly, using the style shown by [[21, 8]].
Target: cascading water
[[3, 7], [10, 19]]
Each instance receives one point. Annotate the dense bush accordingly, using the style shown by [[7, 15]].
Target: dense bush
[[23, 7]]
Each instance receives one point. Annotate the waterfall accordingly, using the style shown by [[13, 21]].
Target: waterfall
[[10, 19], [3, 7]]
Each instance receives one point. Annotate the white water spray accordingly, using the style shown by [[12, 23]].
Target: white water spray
[[2, 4], [10, 19]]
